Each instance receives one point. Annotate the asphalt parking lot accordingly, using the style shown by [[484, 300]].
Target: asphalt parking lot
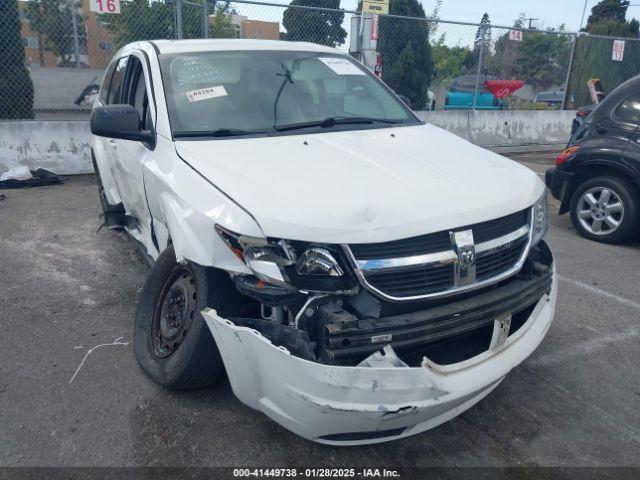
[[65, 288]]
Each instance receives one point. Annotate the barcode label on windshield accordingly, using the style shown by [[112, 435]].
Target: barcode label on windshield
[[206, 93], [341, 66]]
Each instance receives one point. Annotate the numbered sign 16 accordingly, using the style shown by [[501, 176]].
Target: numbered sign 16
[[105, 6]]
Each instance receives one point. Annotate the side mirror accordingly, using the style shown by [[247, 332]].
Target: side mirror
[[119, 121], [405, 99]]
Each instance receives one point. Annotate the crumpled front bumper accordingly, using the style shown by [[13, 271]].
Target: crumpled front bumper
[[359, 405]]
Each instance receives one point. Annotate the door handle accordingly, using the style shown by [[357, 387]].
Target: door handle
[[111, 141]]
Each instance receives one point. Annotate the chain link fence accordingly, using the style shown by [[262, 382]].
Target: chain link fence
[[56, 52], [596, 57]]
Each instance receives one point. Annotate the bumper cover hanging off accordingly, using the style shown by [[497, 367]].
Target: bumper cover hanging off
[[359, 405]]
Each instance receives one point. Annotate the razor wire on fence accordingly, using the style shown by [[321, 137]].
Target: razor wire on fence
[[56, 51]]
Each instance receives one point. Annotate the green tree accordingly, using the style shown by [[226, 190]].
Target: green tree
[[449, 62], [483, 34], [540, 59], [434, 18], [406, 42], [609, 18], [315, 26], [406, 76], [593, 55], [482, 42], [220, 24], [16, 88], [51, 19], [145, 20]]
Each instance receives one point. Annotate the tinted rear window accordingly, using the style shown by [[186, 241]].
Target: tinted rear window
[[629, 110]]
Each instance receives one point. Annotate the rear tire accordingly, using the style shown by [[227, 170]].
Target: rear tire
[[606, 209], [171, 339]]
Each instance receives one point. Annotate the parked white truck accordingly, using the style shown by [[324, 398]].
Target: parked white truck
[[360, 275]]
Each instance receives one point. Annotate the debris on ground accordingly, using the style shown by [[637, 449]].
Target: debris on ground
[[117, 341], [22, 177], [20, 172]]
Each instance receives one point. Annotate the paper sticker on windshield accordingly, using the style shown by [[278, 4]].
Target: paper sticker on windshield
[[206, 93], [341, 66]]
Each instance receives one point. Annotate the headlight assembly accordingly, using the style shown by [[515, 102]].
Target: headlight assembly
[[318, 261], [540, 219], [289, 263]]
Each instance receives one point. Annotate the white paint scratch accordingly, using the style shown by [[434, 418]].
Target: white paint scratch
[[90, 351]]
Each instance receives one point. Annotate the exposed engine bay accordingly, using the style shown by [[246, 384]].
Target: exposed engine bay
[[349, 329]]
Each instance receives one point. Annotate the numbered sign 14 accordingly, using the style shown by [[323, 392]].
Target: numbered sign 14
[[515, 35], [105, 6]]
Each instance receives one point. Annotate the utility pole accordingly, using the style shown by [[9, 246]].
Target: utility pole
[[478, 72], [566, 98], [205, 19], [584, 10], [531, 20], [74, 24], [179, 19]]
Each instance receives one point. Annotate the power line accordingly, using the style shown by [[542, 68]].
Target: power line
[[584, 10], [531, 19]]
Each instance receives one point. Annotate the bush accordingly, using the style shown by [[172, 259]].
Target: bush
[[16, 87]]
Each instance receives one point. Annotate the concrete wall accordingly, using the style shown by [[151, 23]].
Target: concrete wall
[[508, 128], [63, 146]]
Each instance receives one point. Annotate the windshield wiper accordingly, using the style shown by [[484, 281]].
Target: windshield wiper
[[220, 132], [333, 121]]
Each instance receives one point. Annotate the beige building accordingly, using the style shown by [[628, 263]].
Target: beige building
[[94, 53], [256, 29]]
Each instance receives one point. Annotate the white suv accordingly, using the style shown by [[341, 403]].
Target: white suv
[[360, 275]]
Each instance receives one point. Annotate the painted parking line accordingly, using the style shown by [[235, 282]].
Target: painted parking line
[[588, 347], [584, 348], [603, 293]]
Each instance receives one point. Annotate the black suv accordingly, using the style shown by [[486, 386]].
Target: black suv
[[597, 177]]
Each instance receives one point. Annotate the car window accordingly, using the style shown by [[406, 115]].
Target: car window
[[629, 110], [104, 88], [117, 80], [260, 91], [136, 92]]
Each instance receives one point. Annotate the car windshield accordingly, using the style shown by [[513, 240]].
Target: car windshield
[[264, 92]]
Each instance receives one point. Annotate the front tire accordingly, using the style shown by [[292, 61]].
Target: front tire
[[171, 340], [605, 209]]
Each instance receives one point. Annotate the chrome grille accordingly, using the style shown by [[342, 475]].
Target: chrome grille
[[436, 265], [488, 266], [413, 280]]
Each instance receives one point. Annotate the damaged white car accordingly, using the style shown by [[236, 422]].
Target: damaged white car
[[360, 275]]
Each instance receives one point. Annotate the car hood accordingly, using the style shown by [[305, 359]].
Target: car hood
[[365, 185]]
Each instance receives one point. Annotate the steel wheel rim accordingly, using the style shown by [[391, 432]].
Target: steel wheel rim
[[600, 211], [174, 312]]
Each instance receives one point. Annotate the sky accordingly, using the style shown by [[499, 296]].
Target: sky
[[551, 13]]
